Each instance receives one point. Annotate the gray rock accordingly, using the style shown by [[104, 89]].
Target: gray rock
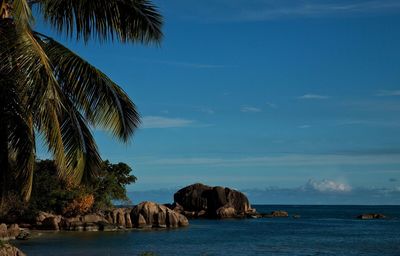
[[200, 200]]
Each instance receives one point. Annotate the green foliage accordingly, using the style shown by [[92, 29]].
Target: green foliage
[[50, 193], [110, 184]]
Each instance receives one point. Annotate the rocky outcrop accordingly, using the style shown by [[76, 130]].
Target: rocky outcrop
[[200, 200], [9, 250], [144, 215], [152, 215], [370, 216], [276, 214]]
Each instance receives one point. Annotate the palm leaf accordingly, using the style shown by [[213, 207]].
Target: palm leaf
[[125, 20], [83, 158], [20, 133], [102, 101]]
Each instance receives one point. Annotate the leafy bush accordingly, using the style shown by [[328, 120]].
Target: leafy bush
[[53, 194]]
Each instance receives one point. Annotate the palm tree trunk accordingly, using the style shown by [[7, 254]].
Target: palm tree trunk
[[4, 165]]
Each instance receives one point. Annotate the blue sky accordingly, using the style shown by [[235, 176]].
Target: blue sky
[[264, 96]]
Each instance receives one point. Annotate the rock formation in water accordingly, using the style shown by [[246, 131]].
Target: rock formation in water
[[200, 200], [370, 216]]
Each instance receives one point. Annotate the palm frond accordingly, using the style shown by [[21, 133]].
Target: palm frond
[[124, 20], [22, 13], [83, 158], [20, 133], [102, 101]]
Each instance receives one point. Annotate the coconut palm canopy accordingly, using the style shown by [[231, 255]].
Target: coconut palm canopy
[[48, 90]]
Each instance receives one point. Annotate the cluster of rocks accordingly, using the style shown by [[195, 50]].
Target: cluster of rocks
[[370, 216], [202, 201], [9, 232], [144, 215]]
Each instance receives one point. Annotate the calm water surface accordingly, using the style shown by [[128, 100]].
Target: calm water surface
[[321, 230]]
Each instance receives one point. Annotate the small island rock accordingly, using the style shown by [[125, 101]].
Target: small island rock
[[370, 216], [200, 200]]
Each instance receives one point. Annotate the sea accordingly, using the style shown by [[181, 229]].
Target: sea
[[319, 230]]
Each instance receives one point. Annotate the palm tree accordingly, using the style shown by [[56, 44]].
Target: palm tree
[[48, 91]]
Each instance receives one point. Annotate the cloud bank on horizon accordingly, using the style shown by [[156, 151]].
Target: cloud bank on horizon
[[322, 192]]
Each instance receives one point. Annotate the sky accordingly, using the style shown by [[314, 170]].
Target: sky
[[288, 101]]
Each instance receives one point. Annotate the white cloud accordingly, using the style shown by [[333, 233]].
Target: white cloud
[[206, 110], [249, 109], [164, 122], [313, 97], [327, 186], [304, 126], [271, 105], [388, 93]]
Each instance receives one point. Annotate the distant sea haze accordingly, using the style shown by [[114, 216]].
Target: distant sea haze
[[305, 195]]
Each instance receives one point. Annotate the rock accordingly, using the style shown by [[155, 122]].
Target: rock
[[13, 231], [128, 221], [119, 217], [90, 226], [105, 226], [3, 232], [141, 222], [279, 214], [200, 200], [9, 250], [370, 216], [51, 223], [276, 214], [226, 212], [23, 235], [92, 218], [149, 214], [42, 216]]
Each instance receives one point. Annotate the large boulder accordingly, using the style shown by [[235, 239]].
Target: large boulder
[[212, 202], [9, 250], [153, 215]]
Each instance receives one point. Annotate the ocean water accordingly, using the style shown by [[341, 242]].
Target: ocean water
[[321, 230]]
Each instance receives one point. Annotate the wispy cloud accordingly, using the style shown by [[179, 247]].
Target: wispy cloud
[[384, 93], [327, 186], [207, 110], [271, 105], [304, 126], [311, 96], [250, 109], [191, 64], [164, 122], [242, 10]]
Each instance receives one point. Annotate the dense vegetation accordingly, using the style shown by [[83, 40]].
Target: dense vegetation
[[50, 193]]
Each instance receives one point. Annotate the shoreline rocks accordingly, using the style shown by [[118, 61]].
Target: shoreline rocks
[[143, 215]]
